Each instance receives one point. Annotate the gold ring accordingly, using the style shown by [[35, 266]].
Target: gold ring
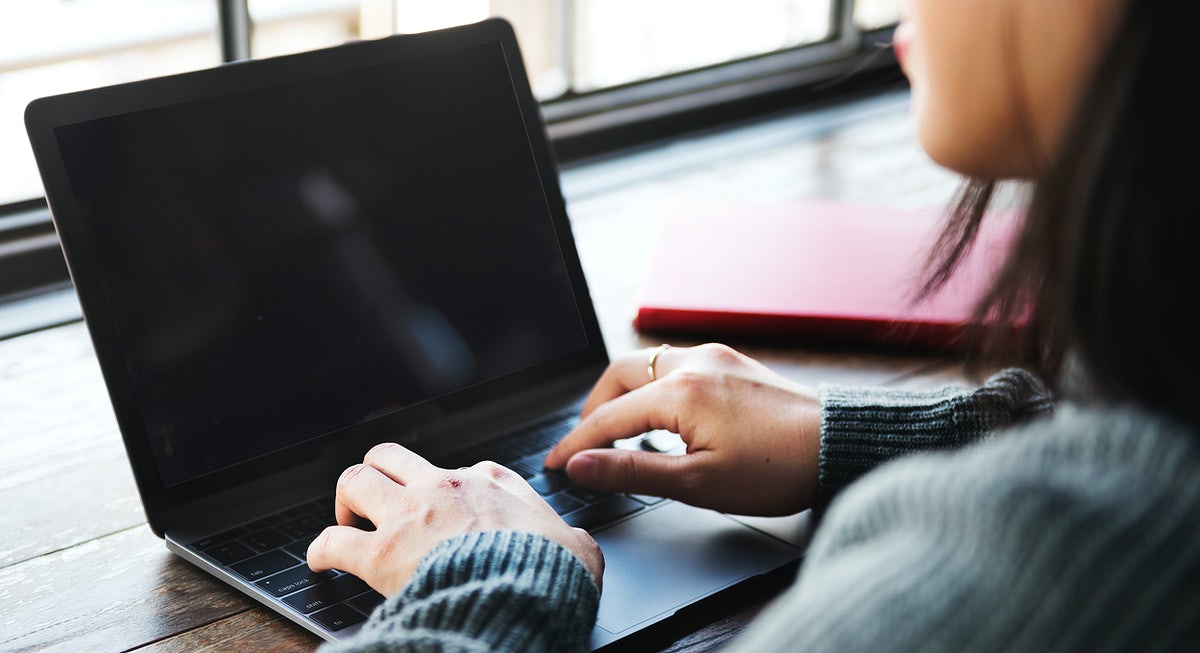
[[654, 359]]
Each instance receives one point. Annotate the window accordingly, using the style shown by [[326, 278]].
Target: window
[[55, 46], [609, 72], [613, 72], [876, 14], [571, 46]]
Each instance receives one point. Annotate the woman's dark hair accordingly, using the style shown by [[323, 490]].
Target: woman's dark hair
[[1106, 266]]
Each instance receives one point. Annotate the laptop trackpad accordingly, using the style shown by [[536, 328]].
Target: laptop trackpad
[[665, 559]]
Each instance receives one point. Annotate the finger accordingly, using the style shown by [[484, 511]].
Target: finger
[[399, 463], [616, 380], [639, 472], [628, 372], [339, 547], [644, 409], [363, 491]]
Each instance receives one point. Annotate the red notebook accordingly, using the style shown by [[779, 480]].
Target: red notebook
[[815, 271]]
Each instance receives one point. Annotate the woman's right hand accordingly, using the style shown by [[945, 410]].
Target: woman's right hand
[[752, 436]]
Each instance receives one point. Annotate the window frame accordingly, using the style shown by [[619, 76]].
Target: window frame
[[581, 126]]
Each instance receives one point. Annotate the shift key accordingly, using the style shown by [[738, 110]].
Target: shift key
[[326, 594]]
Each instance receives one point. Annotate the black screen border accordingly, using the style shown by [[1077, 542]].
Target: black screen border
[[165, 505]]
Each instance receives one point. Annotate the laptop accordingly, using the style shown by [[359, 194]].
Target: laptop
[[284, 262]]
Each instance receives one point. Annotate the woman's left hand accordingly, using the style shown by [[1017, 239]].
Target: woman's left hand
[[415, 505]]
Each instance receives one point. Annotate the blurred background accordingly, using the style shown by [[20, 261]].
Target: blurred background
[[575, 50]]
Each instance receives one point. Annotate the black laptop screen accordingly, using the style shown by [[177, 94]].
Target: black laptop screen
[[287, 262]]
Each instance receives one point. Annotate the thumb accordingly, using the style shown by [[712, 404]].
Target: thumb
[[639, 472]]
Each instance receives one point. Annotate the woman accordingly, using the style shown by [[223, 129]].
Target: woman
[[1076, 528]]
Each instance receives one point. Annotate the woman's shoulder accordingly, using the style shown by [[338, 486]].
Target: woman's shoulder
[[1107, 437], [1094, 506], [1076, 531], [1121, 459], [1072, 443], [1082, 456], [1093, 446]]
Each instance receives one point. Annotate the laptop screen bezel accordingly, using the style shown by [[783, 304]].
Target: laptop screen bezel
[[165, 505]]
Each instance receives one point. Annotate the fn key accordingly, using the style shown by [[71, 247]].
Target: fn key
[[338, 617], [599, 514]]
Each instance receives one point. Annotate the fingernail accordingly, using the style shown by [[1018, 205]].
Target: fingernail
[[582, 467]]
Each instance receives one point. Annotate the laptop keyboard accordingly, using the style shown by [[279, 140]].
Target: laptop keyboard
[[270, 552], [525, 450]]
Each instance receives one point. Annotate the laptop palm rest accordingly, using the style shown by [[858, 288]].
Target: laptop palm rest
[[688, 553]]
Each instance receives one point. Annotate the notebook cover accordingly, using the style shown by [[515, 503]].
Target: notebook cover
[[823, 272]]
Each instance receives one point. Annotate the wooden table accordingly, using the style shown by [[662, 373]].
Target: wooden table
[[81, 571]]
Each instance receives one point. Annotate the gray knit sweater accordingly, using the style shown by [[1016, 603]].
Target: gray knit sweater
[[1077, 531]]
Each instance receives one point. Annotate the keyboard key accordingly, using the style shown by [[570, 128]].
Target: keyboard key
[[535, 462], [302, 527], [326, 594], [604, 512], [292, 513], [588, 495], [563, 427], [266, 540], [540, 437], [229, 552], [264, 565], [338, 617], [265, 522], [506, 453], [317, 505], [293, 580], [647, 499], [300, 548], [528, 443], [524, 472], [322, 510], [562, 503], [367, 602], [219, 538], [550, 482]]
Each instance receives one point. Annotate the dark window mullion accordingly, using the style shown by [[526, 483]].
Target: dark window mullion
[[234, 19], [842, 26], [568, 40]]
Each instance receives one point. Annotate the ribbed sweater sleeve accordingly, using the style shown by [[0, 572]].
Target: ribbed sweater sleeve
[[1078, 532], [490, 591], [863, 427]]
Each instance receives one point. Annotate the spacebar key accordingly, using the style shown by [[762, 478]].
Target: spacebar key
[[599, 514]]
